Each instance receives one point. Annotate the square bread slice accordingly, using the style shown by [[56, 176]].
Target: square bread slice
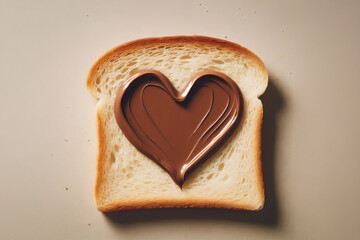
[[230, 178]]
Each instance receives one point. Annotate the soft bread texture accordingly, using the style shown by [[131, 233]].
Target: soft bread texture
[[230, 178]]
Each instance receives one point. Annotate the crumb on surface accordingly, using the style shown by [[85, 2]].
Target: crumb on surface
[[283, 30], [66, 140], [88, 139], [239, 9], [225, 36], [89, 224], [66, 188], [290, 73], [254, 12], [207, 10], [200, 4]]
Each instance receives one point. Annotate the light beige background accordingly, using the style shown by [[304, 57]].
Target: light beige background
[[311, 131]]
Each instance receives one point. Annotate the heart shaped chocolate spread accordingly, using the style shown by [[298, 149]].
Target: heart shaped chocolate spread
[[175, 129]]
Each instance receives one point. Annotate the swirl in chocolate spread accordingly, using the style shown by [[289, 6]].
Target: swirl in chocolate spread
[[175, 129]]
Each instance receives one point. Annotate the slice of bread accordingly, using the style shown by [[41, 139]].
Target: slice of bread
[[230, 178]]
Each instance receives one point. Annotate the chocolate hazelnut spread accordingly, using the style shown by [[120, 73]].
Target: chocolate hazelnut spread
[[175, 129]]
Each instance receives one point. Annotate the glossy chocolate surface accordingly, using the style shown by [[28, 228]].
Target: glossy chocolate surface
[[175, 129]]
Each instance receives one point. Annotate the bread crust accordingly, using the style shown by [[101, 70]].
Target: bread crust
[[258, 153], [101, 154], [175, 203]]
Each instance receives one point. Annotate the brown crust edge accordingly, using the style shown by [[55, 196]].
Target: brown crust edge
[[100, 156], [258, 151], [165, 203]]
